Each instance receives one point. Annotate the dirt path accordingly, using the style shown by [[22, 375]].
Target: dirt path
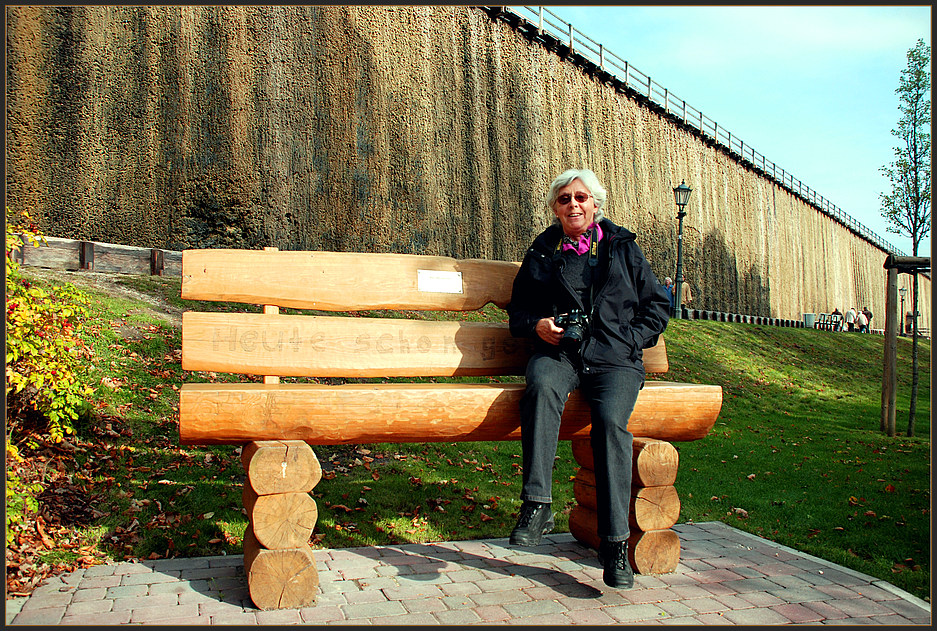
[[112, 285]]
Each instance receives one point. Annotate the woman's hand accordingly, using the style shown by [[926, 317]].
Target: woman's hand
[[549, 332]]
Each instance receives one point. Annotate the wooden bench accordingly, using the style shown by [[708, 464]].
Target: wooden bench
[[829, 322], [278, 422]]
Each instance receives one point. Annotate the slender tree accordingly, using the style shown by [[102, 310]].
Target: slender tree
[[907, 208]]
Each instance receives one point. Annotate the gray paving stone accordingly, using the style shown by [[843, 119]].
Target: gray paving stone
[[632, 614], [85, 607], [408, 619], [164, 614], [457, 616], [48, 600], [373, 610], [755, 616], [279, 616], [40, 616], [104, 580], [98, 619], [533, 608], [321, 614]]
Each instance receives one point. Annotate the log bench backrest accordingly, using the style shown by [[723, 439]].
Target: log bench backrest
[[349, 345], [342, 346]]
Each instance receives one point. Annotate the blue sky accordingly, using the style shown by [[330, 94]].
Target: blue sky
[[812, 88]]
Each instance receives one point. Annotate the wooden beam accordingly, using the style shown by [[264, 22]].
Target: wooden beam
[[908, 264], [334, 346], [346, 283], [226, 413]]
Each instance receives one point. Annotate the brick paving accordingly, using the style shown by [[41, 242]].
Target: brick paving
[[725, 576]]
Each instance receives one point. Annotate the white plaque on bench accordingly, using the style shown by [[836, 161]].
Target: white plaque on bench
[[439, 282]]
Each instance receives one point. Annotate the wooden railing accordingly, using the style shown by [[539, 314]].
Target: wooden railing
[[93, 256], [546, 26]]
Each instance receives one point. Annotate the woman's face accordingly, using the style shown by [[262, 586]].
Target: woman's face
[[575, 208]]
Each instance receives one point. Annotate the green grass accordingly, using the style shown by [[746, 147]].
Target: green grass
[[796, 456]]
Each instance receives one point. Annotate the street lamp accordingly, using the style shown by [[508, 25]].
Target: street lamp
[[681, 196], [904, 292]]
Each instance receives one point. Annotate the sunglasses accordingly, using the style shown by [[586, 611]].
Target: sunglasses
[[565, 198]]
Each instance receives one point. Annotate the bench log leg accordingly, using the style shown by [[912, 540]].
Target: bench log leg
[[655, 506], [280, 567]]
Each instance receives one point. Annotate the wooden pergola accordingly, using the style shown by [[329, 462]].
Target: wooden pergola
[[895, 265]]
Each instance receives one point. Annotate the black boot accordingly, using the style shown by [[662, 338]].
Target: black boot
[[614, 558], [535, 520]]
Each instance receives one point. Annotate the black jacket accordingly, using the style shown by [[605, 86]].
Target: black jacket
[[630, 306]]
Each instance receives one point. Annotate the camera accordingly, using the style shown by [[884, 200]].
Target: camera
[[575, 324]]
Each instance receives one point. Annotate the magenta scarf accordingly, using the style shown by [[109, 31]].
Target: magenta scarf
[[585, 241]]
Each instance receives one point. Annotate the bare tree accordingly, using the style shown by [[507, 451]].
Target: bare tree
[[907, 208]]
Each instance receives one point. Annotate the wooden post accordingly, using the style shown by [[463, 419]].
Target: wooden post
[[890, 360], [156, 262], [653, 547], [86, 255], [280, 567], [271, 310]]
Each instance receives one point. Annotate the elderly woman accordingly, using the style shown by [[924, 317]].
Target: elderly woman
[[586, 295]]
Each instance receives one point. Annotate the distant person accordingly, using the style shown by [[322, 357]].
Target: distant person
[[862, 322], [668, 285], [686, 295], [837, 319], [868, 316], [851, 319]]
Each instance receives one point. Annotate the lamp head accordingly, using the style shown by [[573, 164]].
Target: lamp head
[[681, 195]]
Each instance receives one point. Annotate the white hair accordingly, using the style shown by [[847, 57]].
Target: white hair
[[589, 180]]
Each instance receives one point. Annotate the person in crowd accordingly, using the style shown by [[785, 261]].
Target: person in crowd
[[851, 319], [586, 295], [868, 317], [686, 294], [668, 285], [837, 319], [862, 322]]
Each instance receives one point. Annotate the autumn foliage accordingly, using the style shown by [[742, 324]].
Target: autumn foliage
[[43, 343]]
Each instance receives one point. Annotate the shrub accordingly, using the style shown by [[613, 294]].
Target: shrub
[[21, 495], [43, 342]]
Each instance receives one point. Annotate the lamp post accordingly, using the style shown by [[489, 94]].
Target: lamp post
[[904, 292], [681, 196]]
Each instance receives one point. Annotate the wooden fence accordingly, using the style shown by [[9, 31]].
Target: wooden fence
[[73, 255]]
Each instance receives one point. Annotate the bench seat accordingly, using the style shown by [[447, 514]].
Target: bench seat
[[417, 412]]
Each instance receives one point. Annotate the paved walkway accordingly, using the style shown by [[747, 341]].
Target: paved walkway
[[725, 576]]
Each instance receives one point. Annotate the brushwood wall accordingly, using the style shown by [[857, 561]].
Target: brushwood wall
[[413, 129]]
